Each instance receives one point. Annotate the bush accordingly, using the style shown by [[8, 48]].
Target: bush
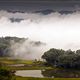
[[6, 74]]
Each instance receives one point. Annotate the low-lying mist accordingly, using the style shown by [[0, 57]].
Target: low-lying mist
[[27, 49], [55, 29]]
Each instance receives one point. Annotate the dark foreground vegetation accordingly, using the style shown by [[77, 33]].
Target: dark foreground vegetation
[[62, 58], [6, 74]]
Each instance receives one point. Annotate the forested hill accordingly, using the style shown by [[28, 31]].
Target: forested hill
[[5, 43], [8, 45]]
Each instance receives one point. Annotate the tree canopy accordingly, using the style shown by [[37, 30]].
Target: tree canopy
[[62, 58], [6, 74]]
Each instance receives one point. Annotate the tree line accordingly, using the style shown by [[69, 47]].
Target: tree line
[[62, 58]]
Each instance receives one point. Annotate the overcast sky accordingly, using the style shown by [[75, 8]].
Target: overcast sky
[[55, 29], [33, 5]]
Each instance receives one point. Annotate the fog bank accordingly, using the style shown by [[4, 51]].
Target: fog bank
[[56, 30]]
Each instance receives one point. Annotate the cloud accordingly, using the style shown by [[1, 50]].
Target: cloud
[[55, 29], [27, 49]]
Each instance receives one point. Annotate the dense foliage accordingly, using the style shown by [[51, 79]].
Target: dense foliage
[[6, 74], [62, 58]]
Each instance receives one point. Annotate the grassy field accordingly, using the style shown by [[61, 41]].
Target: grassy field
[[29, 64], [15, 61], [29, 78], [28, 68]]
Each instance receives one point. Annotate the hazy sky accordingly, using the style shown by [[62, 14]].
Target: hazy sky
[[56, 30]]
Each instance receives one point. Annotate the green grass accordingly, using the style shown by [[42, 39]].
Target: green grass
[[27, 68], [29, 64], [15, 61], [26, 61], [30, 78]]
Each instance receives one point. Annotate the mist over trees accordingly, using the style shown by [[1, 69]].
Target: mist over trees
[[20, 48], [5, 44], [62, 58], [54, 57]]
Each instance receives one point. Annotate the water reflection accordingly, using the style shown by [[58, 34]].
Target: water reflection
[[59, 73], [56, 73]]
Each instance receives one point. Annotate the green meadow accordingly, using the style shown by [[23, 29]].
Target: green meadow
[[29, 78]]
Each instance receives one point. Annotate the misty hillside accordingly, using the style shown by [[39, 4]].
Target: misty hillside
[[5, 44], [9, 46]]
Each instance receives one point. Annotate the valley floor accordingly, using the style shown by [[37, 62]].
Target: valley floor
[[29, 65]]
